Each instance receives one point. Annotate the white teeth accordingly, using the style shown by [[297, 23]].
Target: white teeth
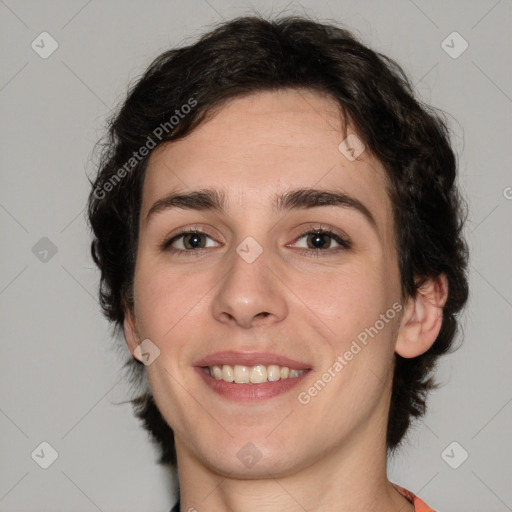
[[241, 374], [258, 374], [252, 374], [227, 373], [273, 373], [216, 371]]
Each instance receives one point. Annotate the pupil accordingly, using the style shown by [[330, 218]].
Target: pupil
[[194, 240], [318, 240]]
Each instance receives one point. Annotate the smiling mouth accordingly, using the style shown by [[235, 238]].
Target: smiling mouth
[[259, 374]]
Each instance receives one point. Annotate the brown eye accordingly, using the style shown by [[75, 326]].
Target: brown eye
[[194, 241], [321, 240], [189, 241], [318, 241]]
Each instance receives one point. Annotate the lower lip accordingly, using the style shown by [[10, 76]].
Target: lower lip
[[250, 392]]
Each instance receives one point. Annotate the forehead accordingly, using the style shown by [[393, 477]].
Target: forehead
[[269, 141]]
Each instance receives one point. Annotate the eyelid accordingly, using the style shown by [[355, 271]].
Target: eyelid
[[165, 245], [340, 237]]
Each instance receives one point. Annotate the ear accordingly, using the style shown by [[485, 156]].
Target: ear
[[422, 318], [130, 332]]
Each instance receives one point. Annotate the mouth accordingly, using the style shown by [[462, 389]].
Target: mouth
[[246, 377]]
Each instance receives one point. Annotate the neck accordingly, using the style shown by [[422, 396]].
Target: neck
[[351, 477]]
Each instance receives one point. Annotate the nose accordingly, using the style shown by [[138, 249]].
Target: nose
[[249, 294]]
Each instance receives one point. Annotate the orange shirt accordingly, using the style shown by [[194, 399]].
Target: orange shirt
[[419, 505]]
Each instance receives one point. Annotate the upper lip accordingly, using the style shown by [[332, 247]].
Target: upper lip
[[233, 358]]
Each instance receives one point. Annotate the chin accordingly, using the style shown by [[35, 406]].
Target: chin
[[251, 456]]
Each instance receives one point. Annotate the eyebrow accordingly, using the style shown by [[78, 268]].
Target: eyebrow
[[297, 199]]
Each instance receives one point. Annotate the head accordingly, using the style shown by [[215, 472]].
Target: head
[[245, 128]]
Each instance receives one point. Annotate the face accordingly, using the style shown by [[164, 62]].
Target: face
[[283, 273]]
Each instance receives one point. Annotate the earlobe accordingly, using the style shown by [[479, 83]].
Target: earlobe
[[130, 332], [422, 318]]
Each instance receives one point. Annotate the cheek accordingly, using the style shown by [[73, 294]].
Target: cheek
[[347, 299], [358, 363], [166, 300]]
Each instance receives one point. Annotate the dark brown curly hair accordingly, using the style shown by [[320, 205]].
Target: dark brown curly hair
[[251, 54]]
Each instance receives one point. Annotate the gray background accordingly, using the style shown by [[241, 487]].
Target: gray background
[[60, 372]]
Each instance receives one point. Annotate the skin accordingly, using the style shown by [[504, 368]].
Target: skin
[[328, 454]]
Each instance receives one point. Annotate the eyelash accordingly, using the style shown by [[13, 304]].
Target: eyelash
[[343, 241]]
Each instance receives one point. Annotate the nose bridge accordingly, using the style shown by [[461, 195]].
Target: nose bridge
[[249, 293]]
